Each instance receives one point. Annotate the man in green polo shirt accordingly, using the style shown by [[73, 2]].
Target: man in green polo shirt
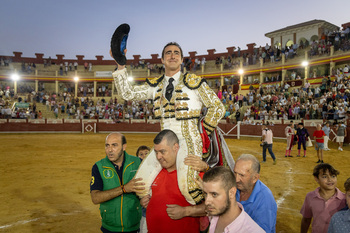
[[113, 187]]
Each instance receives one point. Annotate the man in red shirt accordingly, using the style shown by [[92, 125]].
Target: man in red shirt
[[319, 144], [167, 209]]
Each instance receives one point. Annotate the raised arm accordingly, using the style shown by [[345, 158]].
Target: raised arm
[[129, 92], [125, 89]]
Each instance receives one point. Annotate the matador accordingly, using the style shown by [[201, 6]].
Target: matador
[[178, 101]]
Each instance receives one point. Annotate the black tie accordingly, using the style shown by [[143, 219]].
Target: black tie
[[169, 89]]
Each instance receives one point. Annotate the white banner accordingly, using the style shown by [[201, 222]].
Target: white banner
[[56, 121], [107, 121], [103, 74], [36, 121], [71, 121], [18, 120]]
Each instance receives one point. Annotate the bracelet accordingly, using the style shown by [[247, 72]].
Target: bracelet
[[123, 189]]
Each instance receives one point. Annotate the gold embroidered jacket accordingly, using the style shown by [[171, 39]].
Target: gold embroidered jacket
[[191, 94]]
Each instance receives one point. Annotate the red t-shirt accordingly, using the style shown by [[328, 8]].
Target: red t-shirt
[[165, 191], [319, 134]]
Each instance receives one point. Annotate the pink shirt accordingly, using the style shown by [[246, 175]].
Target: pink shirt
[[268, 136], [242, 224], [320, 210]]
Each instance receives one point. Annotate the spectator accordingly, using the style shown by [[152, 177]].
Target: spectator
[[267, 141], [255, 196], [220, 188], [142, 153], [167, 208], [326, 129], [340, 221], [115, 189], [319, 142], [327, 196], [341, 134]]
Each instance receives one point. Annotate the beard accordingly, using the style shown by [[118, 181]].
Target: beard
[[225, 208], [222, 210], [119, 155]]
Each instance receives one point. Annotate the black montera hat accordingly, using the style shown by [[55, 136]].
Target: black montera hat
[[118, 43]]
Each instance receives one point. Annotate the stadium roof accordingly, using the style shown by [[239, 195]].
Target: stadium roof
[[295, 26]]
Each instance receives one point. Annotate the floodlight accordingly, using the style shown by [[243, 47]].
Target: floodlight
[[305, 63], [240, 71], [15, 77], [76, 79]]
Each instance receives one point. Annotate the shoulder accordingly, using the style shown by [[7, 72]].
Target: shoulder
[[153, 82], [192, 81], [131, 158], [312, 194], [265, 192], [94, 168]]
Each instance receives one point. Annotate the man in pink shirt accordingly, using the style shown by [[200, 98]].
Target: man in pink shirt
[[219, 186], [322, 203], [266, 139]]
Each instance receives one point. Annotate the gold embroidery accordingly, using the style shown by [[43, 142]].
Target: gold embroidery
[[181, 95], [193, 80], [216, 109], [181, 105], [193, 188], [187, 115]]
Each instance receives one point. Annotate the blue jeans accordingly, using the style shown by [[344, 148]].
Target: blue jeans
[[269, 148]]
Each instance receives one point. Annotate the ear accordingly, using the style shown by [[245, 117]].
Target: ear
[[176, 147], [232, 193], [256, 177], [162, 60], [317, 180], [124, 147]]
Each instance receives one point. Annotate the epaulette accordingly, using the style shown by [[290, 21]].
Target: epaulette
[[193, 81], [154, 81]]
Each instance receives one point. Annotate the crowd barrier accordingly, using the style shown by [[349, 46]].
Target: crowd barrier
[[142, 126]]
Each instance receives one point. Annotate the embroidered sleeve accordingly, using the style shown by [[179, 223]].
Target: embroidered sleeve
[[129, 92], [216, 109]]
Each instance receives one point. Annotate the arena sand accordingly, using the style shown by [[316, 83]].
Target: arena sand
[[45, 179]]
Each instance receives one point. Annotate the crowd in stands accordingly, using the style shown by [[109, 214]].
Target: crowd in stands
[[329, 101], [340, 40], [268, 53], [64, 104], [5, 61]]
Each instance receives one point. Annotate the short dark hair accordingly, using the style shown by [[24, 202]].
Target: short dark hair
[[142, 148], [347, 185], [121, 135], [123, 139], [223, 174], [173, 43], [167, 134], [324, 167]]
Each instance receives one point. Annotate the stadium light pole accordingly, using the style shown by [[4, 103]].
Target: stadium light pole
[[76, 80], [15, 77], [241, 74], [305, 64]]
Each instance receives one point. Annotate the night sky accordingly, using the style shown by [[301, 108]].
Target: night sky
[[80, 27]]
